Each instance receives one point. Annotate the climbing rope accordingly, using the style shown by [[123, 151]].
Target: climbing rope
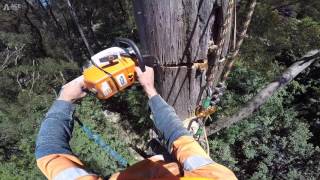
[[242, 35], [76, 21], [215, 51], [96, 138], [235, 25], [231, 57], [204, 132], [205, 135], [208, 106], [224, 32], [218, 90]]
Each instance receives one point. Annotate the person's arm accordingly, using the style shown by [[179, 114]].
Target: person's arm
[[179, 141], [166, 120], [53, 153]]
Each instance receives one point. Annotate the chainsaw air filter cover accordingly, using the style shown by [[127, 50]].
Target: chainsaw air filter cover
[[110, 73]]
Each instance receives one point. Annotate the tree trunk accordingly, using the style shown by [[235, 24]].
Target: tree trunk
[[178, 33]]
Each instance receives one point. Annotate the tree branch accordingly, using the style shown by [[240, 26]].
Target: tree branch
[[17, 79], [255, 103], [284, 5], [6, 59], [33, 79], [9, 55]]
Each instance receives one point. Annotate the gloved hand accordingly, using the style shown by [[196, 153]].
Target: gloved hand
[[73, 90], [146, 79]]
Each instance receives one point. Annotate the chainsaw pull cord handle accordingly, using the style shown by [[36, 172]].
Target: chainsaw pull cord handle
[[136, 50]]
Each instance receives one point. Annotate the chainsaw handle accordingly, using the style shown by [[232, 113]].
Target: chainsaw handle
[[135, 48]]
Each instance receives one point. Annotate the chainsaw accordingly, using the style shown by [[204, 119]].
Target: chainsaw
[[113, 69]]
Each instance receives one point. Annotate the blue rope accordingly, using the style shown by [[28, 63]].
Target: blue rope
[[101, 143]]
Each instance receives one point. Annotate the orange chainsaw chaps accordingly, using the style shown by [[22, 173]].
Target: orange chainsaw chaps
[[122, 73]]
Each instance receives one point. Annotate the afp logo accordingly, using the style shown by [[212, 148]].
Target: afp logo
[[11, 7]]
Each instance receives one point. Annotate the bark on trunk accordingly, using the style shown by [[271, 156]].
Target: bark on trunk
[[178, 33], [255, 103]]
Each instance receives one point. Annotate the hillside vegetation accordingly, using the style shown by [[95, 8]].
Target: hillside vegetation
[[41, 49]]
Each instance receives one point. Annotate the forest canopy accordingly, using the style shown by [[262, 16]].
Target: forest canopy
[[41, 49]]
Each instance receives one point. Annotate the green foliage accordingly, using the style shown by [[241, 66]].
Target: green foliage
[[279, 141], [91, 114], [135, 103], [27, 90], [32, 77], [275, 37], [295, 9], [13, 40], [270, 144]]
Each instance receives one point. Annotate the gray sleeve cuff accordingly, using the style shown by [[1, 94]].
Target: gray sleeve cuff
[[166, 121]]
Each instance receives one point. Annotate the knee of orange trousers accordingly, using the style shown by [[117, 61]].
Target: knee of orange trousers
[[213, 171], [186, 147], [196, 162], [153, 167]]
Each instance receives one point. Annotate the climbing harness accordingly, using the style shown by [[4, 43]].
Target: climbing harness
[[96, 138], [204, 112]]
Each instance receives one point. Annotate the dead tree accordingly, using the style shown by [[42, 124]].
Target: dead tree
[[255, 103], [182, 33]]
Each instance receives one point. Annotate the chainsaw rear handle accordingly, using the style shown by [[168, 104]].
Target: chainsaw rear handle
[[136, 50]]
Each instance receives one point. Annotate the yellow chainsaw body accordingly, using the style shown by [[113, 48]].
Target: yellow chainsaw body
[[121, 74]]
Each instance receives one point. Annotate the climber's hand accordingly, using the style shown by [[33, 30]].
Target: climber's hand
[[146, 79], [73, 90]]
